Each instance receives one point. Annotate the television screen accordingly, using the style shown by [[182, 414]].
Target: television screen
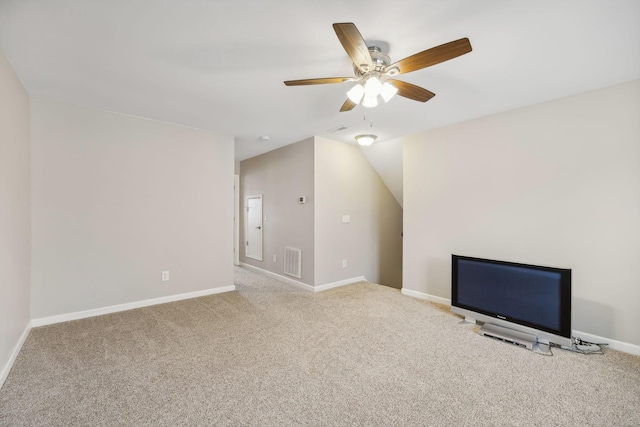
[[534, 296]]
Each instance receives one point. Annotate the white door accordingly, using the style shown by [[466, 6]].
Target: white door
[[236, 220], [253, 228]]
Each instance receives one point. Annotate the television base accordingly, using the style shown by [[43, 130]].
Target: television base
[[468, 319], [509, 335]]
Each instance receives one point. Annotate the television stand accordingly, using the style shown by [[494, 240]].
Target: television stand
[[511, 336]]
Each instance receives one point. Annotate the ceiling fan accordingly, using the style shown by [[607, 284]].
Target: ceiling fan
[[374, 71]]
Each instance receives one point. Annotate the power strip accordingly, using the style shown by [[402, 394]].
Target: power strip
[[583, 347], [588, 348]]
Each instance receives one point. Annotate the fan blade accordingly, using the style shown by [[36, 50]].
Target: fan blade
[[432, 56], [411, 91], [354, 44], [322, 81], [348, 105]]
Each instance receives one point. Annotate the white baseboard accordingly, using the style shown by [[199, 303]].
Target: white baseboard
[[4, 373], [332, 285], [420, 295], [613, 344], [278, 277], [319, 288], [128, 306]]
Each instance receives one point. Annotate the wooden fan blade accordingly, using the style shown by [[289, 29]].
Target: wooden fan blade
[[322, 81], [354, 44], [432, 56], [348, 105], [411, 91]]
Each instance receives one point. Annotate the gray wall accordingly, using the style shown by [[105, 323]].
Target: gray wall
[[281, 176], [553, 184], [15, 213], [116, 200], [371, 243]]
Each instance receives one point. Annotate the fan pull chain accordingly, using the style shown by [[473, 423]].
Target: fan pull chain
[[364, 117]]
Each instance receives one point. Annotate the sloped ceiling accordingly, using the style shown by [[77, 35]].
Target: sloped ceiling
[[220, 65]]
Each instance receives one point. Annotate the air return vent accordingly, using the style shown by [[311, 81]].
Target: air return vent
[[293, 262]]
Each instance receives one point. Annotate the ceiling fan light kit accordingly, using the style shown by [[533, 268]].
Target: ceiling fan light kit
[[368, 93], [373, 69]]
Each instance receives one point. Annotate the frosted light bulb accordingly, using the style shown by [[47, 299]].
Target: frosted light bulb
[[372, 87], [387, 91], [355, 93], [370, 101]]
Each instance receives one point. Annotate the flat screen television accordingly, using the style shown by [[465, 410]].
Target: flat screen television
[[527, 298]]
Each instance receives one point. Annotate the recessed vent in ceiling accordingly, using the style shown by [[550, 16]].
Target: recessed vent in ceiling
[[293, 262], [337, 129]]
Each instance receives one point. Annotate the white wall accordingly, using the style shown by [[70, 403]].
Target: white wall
[[553, 184], [118, 199], [280, 176], [346, 184], [15, 215]]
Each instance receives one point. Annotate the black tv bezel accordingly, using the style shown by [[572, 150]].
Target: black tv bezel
[[565, 295]]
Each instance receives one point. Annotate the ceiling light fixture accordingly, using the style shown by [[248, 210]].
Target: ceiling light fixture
[[366, 140], [369, 91]]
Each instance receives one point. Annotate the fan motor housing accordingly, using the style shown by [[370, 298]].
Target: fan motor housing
[[379, 60]]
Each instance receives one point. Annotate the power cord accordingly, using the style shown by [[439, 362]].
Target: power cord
[[585, 347]]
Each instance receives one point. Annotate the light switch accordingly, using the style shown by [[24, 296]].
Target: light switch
[[346, 219]]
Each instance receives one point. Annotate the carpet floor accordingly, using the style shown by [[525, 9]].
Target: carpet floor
[[270, 354]]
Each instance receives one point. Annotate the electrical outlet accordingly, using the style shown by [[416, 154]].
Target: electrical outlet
[[275, 258], [344, 263], [165, 276]]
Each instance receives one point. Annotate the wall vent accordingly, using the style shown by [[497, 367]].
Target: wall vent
[[293, 262]]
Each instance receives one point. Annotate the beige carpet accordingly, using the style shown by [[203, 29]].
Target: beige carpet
[[270, 354]]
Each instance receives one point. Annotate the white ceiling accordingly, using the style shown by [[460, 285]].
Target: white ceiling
[[220, 65]]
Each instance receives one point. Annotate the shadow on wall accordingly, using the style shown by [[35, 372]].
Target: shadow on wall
[[439, 277], [390, 258], [389, 244], [592, 316]]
